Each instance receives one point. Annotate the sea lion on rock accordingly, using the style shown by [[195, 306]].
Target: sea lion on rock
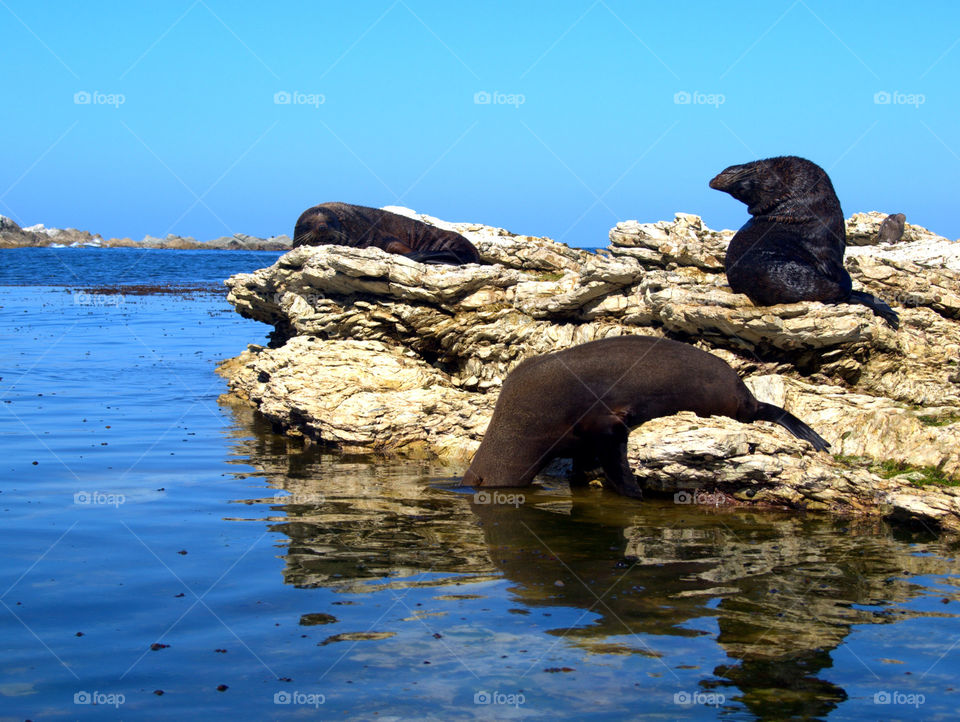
[[343, 224], [792, 249], [891, 230], [582, 403]]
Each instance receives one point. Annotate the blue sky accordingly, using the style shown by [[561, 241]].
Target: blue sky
[[183, 130]]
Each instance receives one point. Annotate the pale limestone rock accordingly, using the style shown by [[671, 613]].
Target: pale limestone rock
[[918, 245], [379, 353]]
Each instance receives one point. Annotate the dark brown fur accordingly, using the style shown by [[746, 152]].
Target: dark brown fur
[[582, 403], [891, 230], [792, 249], [343, 224]]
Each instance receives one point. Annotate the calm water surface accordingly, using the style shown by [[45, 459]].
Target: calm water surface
[[138, 509]]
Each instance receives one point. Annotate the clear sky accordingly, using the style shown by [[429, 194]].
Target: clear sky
[[129, 118]]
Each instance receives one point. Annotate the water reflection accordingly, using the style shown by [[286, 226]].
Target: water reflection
[[779, 592]]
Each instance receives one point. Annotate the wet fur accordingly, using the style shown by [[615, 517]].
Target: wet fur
[[792, 248], [343, 224], [582, 403]]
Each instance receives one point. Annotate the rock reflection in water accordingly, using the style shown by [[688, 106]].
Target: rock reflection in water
[[353, 521], [783, 589]]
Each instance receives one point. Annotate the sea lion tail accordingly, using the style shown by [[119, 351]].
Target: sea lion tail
[[769, 412], [449, 258], [877, 306]]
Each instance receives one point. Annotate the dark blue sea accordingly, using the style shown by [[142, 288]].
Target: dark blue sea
[[165, 555]]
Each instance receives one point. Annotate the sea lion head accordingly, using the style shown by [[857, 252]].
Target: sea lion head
[[779, 187], [319, 226]]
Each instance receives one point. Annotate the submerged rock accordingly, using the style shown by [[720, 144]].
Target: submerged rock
[[373, 352]]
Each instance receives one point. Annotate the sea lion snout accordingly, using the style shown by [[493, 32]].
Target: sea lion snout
[[740, 181], [721, 181]]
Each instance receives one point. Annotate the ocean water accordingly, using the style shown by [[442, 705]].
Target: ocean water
[[165, 555]]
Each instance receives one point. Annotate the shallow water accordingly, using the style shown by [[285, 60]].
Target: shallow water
[[357, 587]]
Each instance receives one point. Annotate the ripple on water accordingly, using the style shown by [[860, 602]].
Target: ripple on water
[[373, 584]]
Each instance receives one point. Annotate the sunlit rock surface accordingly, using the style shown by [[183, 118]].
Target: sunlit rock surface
[[373, 352]]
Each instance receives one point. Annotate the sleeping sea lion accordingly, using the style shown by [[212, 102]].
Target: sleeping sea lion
[[343, 224]]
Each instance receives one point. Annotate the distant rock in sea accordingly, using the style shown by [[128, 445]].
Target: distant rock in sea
[[13, 236]]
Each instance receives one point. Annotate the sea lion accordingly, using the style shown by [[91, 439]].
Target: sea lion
[[891, 230], [344, 224], [582, 403], [792, 249]]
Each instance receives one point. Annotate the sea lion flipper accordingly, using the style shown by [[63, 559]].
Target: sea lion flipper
[[448, 258], [877, 306], [584, 460], [618, 476], [770, 412]]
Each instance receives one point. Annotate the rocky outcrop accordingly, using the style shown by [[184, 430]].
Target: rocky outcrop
[[918, 245], [376, 353], [13, 236]]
